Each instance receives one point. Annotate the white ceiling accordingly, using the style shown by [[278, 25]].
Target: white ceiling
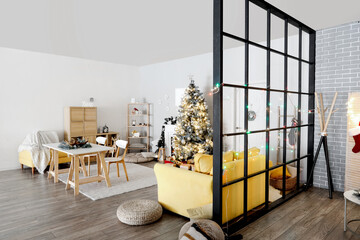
[[137, 32]]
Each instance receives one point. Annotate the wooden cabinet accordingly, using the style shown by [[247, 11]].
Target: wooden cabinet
[[80, 122]]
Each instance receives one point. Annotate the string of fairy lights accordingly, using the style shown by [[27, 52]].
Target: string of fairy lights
[[216, 89]]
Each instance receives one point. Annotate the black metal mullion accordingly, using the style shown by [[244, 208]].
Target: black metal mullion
[[285, 105], [266, 130], [311, 117], [263, 171], [218, 112], [219, 34], [246, 101], [279, 13], [299, 111], [263, 47], [262, 89], [268, 68]]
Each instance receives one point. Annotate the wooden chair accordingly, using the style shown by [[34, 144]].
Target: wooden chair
[[123, 145], [100, 141]]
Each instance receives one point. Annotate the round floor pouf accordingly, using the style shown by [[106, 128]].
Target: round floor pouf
[[139, 212], [211, 228]]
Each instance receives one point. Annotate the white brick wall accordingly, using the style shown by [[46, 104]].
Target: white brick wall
[[337, 70]]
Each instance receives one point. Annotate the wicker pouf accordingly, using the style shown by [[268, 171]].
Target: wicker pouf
[[139, 212]]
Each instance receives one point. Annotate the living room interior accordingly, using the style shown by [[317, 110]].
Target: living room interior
[[233, 119]]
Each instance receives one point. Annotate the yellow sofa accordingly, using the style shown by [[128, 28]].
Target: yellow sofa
[[180, 189], [26, 159]]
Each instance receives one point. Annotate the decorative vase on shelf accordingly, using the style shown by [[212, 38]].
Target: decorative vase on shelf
[[105, 129]]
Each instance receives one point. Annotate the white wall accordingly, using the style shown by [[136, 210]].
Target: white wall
[[159, 81], [35, 88]]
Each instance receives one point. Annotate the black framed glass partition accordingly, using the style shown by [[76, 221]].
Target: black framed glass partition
[[264, 65]]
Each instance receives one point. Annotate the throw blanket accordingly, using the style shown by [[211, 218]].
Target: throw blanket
[[34, 144]]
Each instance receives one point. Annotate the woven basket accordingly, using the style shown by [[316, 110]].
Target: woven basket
[[289, 184]]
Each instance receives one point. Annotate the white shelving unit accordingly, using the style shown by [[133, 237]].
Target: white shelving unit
[[144, 130]]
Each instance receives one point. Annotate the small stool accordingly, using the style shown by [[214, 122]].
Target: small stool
[[139, 212]]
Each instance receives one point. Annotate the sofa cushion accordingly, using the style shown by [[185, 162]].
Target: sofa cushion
[[203, 163], [252, 152], [228, 156], [278, 173]]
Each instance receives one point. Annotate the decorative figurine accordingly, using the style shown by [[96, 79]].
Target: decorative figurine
[[105, 129]]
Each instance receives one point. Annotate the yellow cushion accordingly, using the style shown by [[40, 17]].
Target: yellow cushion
[[278, 173], [212, 171], [203, 163], [228, 156], [252, 152]]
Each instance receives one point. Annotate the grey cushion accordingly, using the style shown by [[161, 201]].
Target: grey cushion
[[139, 212]]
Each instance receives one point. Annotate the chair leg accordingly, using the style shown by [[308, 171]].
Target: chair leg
[[117, 168], [108, 167], [127, 178], [22, 166], [33, 170]]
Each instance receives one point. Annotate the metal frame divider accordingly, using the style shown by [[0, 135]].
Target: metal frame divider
[[218, 185]]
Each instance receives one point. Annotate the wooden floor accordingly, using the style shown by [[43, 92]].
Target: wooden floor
[[32, 207], [310, 215]]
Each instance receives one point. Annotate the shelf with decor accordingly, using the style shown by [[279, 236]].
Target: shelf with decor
[[138, 126]]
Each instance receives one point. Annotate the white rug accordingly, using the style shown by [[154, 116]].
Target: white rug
[[139, 177]]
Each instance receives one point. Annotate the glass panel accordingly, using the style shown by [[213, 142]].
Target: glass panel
[[233, 61], [304, 109], [277, 33], [257, 67], [293, 40], [257, 24], [293, 74], [305, 46], [256, 163], [233, 109], [233, 143], [234, 20], [257, 110], [305, 77], [304, 141], [303, 152], [292, 109], [277, 71], [276, 109], [275, 153]]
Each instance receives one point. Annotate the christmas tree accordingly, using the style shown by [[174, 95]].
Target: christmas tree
[[193, 133]]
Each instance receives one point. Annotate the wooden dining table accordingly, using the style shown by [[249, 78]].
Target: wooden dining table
[[77, 156]]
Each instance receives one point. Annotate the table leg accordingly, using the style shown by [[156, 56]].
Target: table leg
[[101, 156], [71, 172], [76, 170], [83, 166], [51, 168], [345, 215], [98, 166], [56, 165]]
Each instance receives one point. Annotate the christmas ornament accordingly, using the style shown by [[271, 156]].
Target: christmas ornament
[[355, 133]]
